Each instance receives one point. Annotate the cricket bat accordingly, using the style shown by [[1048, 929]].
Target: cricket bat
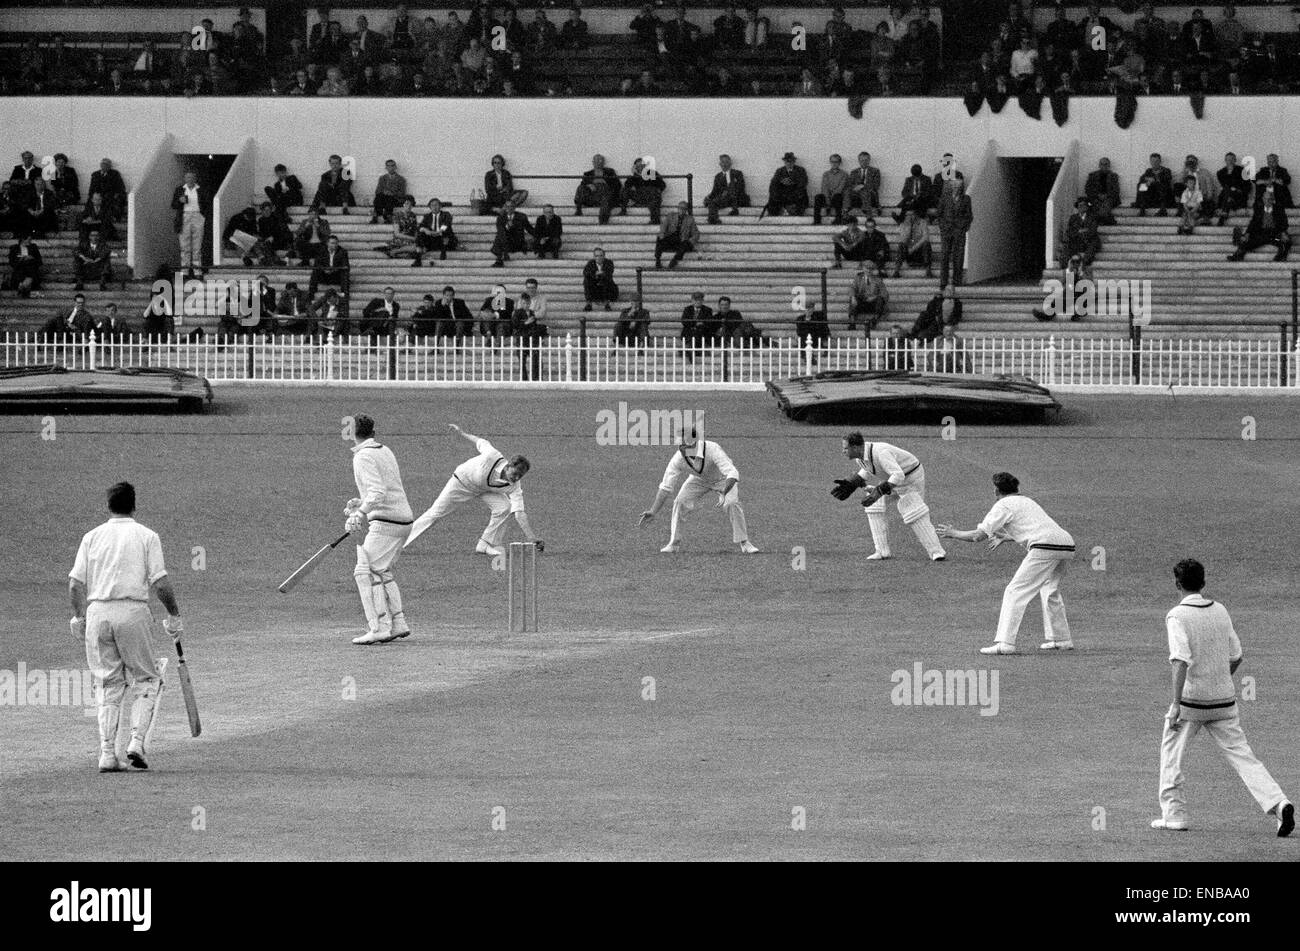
[[308, 566], [187, 691]]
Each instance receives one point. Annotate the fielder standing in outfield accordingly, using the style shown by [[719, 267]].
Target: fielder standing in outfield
[[117, 565], [1205, 653], [494, 479], [383, 516], [707, 469], [886, 470], [1023, 520]]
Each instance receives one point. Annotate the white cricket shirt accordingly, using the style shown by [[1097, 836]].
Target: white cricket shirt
[[379, 483], [705, 460], [1023, 520], [882, 459], [118, 561], [482, 474]]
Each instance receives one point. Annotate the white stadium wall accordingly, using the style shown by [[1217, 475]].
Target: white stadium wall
[[443, 145]]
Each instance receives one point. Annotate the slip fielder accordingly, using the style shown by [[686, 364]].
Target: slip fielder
[[383, 516], [1049, 546], [886, 471], [494, 479], [118, 564], [707, 469]]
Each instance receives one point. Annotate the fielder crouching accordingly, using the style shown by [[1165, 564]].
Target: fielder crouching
[[383, 515], [1017, 518], [117, 566], [707, 469], [885, 471]]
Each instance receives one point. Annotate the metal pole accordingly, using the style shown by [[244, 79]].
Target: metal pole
[[1282, 370], [826, 309], [690, 191], [582, 349], [640, 285], [1295, 304], [1136, 371]]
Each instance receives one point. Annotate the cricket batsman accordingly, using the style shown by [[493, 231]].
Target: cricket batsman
[[491, 477], [707, 469], [118, 564], [1023, 520], [885, 471], [383, 516]]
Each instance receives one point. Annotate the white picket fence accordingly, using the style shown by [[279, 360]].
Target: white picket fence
[[666, 361]]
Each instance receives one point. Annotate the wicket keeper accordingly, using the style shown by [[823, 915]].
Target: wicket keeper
[[491, 477], [118, 564], [707, 469], [383, 516], [885, 471]]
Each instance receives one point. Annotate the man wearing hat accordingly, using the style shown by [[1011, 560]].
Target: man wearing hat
[[788, 191]]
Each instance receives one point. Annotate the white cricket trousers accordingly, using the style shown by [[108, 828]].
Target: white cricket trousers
[[381, 600], [692, 492], [1232, 743], [119, 642], [1039, 574], [455, 494], [191, 239]]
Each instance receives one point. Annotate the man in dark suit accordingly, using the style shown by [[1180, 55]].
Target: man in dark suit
[[292, 310], [435, 234], [335, 189], [728, 190], [599, 188], [645, 186], [1268, 225], [598, 284], [23, 176], [860, 244], [633, 322], [24, 266], [1274, 174], [111, 326], [330, 267], [955, 218], [41, 213], [330, 314], [513, 228], [284, 192], [192, 207], [380, 316], [108, 182], [1081, 236], [1102, 190], [916, 194], [548, 233], [452, 316], [1155, 188], [698, 325], [95, 219], [77, 321], [496, 313], [864, 186], [787, 193], [93, 262]]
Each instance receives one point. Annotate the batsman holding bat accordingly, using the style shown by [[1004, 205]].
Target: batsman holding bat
[[383, 516], [886, 471], [118, 564]]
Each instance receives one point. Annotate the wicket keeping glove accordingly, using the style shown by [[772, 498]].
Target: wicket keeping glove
[[174, 627], [844, 488], [78, 626]]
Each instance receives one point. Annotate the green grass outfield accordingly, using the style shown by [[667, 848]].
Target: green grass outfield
[[772, 686]]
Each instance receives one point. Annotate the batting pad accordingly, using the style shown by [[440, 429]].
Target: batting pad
[[911, 506]]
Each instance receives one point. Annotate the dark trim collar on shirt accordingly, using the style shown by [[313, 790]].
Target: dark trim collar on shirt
[[1191, 600]]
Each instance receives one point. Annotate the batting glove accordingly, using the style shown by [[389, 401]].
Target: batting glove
[[352, 506], [78, 626], [357, 523], [174, 627]]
